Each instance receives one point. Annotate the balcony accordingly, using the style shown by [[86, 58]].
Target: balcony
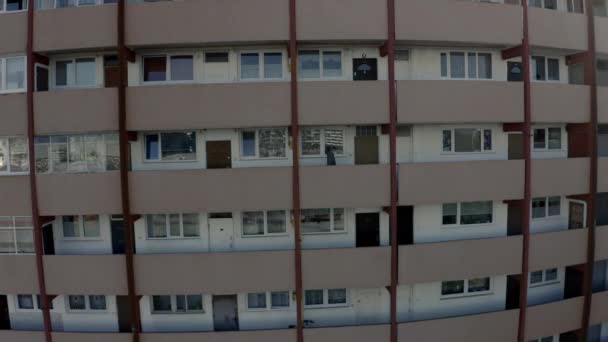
[[558, 249], [345, 186], [320, 20], [14, 114], [441, 182], [76, 110], [91, 337], [558, 29], [286, 335], [462, 259], [238, 189], [15, 199], [601, 34], [85, 274], [343, 102], [493, 326], [204, 21], [601, 243], [16, 24], [19, 275], [21, 336], [559, 102], [362, 333], [75, 28], [361, 268], [602, 179], [417, 20], [231, 105], [469, 101], [554, 318], [599, 308], [558, 177], [231, 272], [602, 98]]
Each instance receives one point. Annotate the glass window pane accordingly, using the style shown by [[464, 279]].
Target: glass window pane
[[444, 65], [85, 72], [476, 212], [23, 222], [71, 226], [112, 152], [182, 68], [250, 65], [152, 147], [94, 152], [178, 146], [157, 226], [313, 297], [15, 5], [4, 155], [539, 138], [472, 64], [248, 144], [25, 302], [539, 209], [180, 303], [447, 141], [479, 285], [339, 219], [7, 241], [195, 302], [155, 69], [174, 225], [452, 287], [315, 220], [487, 139], [332, 64], [336, 296], [216, 57], [161, 303], [59, 153], [91, 225], [450, 213], [554, 206], [334, 140], [25, 241], [76, 302], [551, 4], [19, 155], [256, 300], [65, 3], [253, 223], [551, 274], [280, 299], [311, 141], [77, 162], [457, 64], [273, 65], [467, 140], [309, 64], [64, 71], [15, 73], [535, 3], [484, 64], [97, 302], [555, 138], [272, 143], [538, 68], [536, 277], [41, 151], [277, 221], [191, 225], [553, 66]]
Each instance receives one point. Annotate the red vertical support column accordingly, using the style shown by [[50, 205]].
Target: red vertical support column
[[44, 299], [124, 172], [523, 284], [295, 177]]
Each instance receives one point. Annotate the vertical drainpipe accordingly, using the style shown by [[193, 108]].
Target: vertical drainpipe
[[393, 165], [295, 177], [124, 172], [44, 299], [591, 80], [525, 221]]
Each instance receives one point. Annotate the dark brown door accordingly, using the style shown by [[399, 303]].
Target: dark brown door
[[368, 229], [365, 69], [366, 150], [516, 146], [514, 218], [124, 314], [218, 155], [512, 301], [576, 215], [5, 322], [111, 71], [405, 225], [48, 240], [42, 78]]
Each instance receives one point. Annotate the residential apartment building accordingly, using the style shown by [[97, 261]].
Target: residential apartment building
[[303, 170]]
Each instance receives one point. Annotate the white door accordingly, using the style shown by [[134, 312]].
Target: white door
[[371, 307], [221, 234]]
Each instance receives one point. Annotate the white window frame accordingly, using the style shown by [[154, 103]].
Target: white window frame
[[268, 298], [322, 65], [9, 157], [459, 214], [546, 200], [466, 292], [13, 229], [547, 58], [466, 65], [544, 339], [4, 74], [72, 82], [174, 305], [50, 149], [3, 10], [80, 228], [453, 140], [543, 5], [266, 233], [36, 300], [168, 79], [322, 153], [168, 227], [160, 150], [332, 226], [326, 299], [87, 304], [546, 148], [260, 54], [78, 4], [257, 144], [544, 281]]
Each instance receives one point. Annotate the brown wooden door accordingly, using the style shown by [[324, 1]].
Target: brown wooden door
[[124, 313], [5, 322], [218, 155], [576, 215], [516, 146], [366, 150], [111, 71]]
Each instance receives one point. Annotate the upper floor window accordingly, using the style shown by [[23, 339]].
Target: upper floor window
[[467, 140], [543, 277], [575, 6], [12, 5], [177, 304], [264, 143], [549, 138], [73, 3], [27, 302], [268, 300], [320, 141], [323, 63], [544, 339], [16, 235], [548, 4], [81, 227], [321, 298], [12, 74], [467, 213], [14, 155], [170, 146], [546, 207], [261, 65], [545, 69], [315, 221], [77, 153], [75, 72], [172, 226], [469, 65], [216, 66], [87, 303], [175, 68], [259, 223], [456, 288]]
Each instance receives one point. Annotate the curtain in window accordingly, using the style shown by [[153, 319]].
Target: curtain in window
[[91, 225], [191, 225], [15, 73], [276, 221], [479, 284], [112, 152], [272, 143], [273, 65], [182, 68], [178, 146], [4, 155], [311, 141], [85, 72], [334, 140], [475, 212], [484, 64], [313, 297], [315, 220], [332, 64], [457, 65], [250, 65], [157, 226], [97, 302], [309, 64], [467, 140], [256, 300], [452, 287], [539, 208], [336, 296], [71, 226], [280, 299], [253, 223], [555, 138], [450, 213]]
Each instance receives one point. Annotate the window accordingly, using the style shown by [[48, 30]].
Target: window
[[456, 288], [77, 153], [12, 74], [546, 206], [165, 226], [548, 138], [545, 69], [170, 146], [259, 223], [544, 339], [14, 155], [87, 303], [325, 298], [216, 67], [315, 221], [81, 227], [469, 65], [16, 235], [264, 143], [576, 6], [467, 213], [12, 5], [547, 4], [317, 142], [27, 302], [75, 72], [466, 140], [544, 277], [177, 304], [261, 65], [319, 64], [174, 68], [73, 3], [268, 300]]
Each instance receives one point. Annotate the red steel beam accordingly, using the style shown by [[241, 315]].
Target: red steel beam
[[124, 56], [31, 60], [295, 177], [525, 220]]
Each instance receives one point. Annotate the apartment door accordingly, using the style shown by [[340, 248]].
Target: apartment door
[[218, 154], [515, 71], [369, 304], [514, 218], [405, 225], [366, 145], [516, 146], [368, 229], [221, 234], [48, 241], [365, 69], [117, 227], [576, 214], [573, 286], [42, 77], [405, 145], [124, 314], [5, 321], [225, 313], [512, 300]]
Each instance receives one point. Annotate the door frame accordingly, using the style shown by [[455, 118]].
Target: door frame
[[210, 242], [584, 211]]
